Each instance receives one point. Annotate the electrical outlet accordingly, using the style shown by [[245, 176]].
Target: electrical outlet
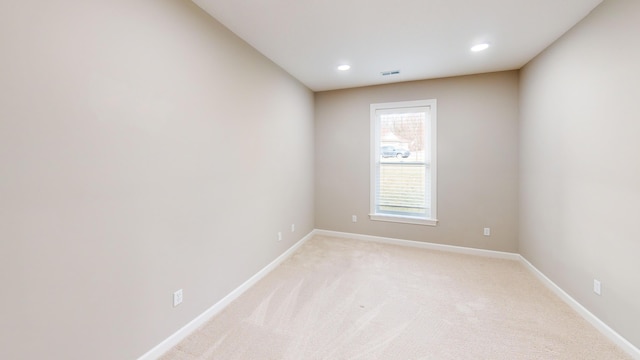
[[177, 298], [597, 287], [293, 227], [279, 236], [354, 218], [487, 231]]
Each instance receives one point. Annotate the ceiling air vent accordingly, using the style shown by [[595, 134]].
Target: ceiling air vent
[[392, 72]]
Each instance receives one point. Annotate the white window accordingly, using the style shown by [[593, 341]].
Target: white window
[[403, 162]]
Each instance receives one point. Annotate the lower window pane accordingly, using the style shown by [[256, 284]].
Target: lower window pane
[[402, 189]]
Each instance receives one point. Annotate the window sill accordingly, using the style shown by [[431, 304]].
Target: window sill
[[403, 219]]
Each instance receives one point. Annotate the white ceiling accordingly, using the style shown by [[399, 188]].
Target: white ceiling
[[424, 39]]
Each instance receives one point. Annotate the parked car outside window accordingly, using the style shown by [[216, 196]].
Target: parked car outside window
[[394, 151]]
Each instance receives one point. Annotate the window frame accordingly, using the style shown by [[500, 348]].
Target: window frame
[[375, 161]]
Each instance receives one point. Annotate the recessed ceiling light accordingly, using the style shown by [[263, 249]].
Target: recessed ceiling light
[[480, 47], [344, 67]]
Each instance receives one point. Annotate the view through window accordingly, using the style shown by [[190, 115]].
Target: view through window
[[403, 185]]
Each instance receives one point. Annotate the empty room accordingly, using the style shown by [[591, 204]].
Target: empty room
[[411, 179]]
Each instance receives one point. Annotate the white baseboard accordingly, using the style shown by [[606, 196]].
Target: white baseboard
[[194, 324], [586, 314], [421, 245]]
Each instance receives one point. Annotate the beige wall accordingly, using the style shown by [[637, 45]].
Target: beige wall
[[580, 173], [477, 160], [143, 148]]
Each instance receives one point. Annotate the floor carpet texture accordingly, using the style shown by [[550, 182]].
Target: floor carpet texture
[[338, 298]]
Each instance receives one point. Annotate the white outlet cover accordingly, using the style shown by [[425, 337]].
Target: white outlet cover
[[597, 288], [487, 231], [293, 227], [354, 218], [177, 298], [279, 236]]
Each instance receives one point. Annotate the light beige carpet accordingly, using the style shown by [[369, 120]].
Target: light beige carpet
[[347, 299]]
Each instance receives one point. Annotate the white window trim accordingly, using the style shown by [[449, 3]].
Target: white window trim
[[375, 157]]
